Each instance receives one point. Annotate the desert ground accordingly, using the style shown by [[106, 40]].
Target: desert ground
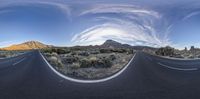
[[88, 63]]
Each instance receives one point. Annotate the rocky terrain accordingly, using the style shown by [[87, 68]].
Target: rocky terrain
[[192, 53], [90, 62]]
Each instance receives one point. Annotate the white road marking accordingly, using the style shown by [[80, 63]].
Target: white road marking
[[88, 81], [173, 58], [182, 69], [19, 61]]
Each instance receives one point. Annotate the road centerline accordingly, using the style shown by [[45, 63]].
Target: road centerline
[[18, 61]]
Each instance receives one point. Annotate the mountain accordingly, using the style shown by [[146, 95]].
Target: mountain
[[144, 48], [114, 44], [27, 46]]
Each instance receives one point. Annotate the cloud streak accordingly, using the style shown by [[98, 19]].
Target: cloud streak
[[134, 25], [120, 9], [190, 15], [65, 9]]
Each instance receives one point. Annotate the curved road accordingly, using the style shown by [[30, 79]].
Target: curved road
[[147, 77]]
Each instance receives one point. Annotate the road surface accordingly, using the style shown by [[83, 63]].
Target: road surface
[[147, 77]]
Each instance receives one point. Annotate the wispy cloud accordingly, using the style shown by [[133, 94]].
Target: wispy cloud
[[65, 9], [190, 15], [5, 11], [99, 33], [135, 26], [119, 8]]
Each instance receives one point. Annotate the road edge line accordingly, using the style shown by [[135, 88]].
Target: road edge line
[[180, 69], [173, 58]]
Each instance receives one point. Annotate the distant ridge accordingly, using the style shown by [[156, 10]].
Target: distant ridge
[[114, 44], [27, 46], [107, 44]]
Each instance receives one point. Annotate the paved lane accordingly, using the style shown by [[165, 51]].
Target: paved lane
[[31, 78]]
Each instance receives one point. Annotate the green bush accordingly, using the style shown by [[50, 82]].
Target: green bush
[[56, 62], [97, 63], [119, 50], [57, 50], [105, 63], [73, 53], [75, 66], [112, 57], [85, 63], [129, 51], [47, 50], [60, 65], [116, 50], [62, 51], [69, 60], [94, 52], [105, 50], [83, 53]]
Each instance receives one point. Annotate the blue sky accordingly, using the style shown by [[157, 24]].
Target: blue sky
[[90, 22]]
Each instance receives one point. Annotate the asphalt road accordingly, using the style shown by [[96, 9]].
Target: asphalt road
[[147, 77]]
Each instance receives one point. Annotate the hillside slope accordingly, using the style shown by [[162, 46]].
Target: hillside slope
[[27, 46]]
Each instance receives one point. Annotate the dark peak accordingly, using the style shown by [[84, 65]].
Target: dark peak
[[115, 44], [111, 42]]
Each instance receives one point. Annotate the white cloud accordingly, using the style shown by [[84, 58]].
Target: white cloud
[[135, 26], [98, 34], [123, 33], [65, 9], [116, 8]]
